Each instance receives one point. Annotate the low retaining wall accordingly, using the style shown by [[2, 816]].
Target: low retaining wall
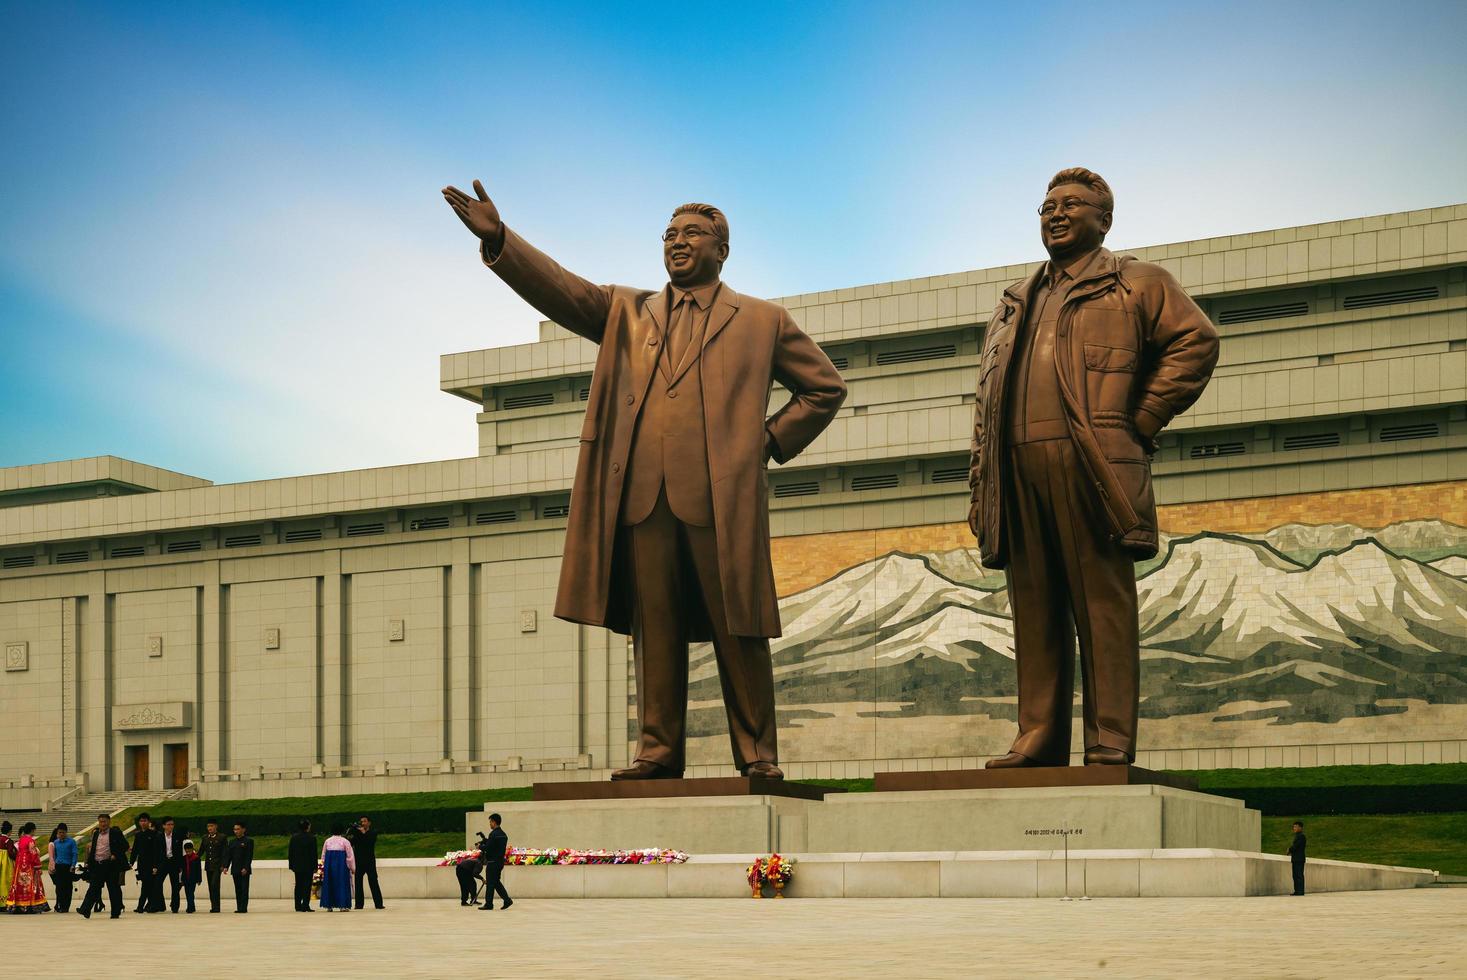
[[1175, 872]]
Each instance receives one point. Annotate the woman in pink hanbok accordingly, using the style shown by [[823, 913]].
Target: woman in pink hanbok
[[338, 864]]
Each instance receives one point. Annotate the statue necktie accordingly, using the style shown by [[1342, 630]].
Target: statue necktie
[[681, 333]]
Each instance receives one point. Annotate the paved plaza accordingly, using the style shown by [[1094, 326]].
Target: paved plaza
[[1379, 934]]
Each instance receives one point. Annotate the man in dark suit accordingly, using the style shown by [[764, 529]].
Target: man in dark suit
[[302, 860], [1296, 856], [149, 862], [493, 851], [172, 864], [364, 848], [668, 534], [106, 860], [211, 852], [239, 861]]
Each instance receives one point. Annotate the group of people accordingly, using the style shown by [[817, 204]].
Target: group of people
[[21, 888], [346, 855], [164, 853], [489, 864]]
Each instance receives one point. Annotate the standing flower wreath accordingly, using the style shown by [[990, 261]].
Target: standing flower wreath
[[776, 870]]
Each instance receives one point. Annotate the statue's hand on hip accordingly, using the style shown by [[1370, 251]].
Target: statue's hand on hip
[[479, 215]]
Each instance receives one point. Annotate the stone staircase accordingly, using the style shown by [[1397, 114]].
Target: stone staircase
[[79, 813]]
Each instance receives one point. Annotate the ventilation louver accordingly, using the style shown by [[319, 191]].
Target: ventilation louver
[[496, 517], [950, 474], [71, 557], [429, 523], [557, 510], [303, 534], [803, 488], [1273, 312], [126, 551], [243, 540], [910, 354], [1386, 297], [875, 481], [179, 547], [841, 363], [18, 561], [1212, 450], [583, 394], [1314, 440], [1409, 430], [528, 401], [362, 530]]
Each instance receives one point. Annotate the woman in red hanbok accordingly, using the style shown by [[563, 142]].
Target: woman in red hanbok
[[27, 892]]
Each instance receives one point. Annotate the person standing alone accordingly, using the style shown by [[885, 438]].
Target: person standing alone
[[1296, 856], [303, 864], [239, 861], [149, 860], [62, 853], [496, 846], [172, 863], [106, 860], [212, 850], [364, 846]]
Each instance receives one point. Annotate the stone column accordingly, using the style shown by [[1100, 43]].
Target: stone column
[[94, 731], [335, 749], [212, 713], [459, 696]]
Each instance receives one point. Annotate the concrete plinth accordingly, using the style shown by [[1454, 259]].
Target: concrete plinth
[[1096, 817], [1168, 873], [698, 825]]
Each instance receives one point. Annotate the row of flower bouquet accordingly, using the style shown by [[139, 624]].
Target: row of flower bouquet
[[776, 870], [568, 855]]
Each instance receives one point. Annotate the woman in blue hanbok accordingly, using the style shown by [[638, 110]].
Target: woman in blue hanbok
[[338, 863]]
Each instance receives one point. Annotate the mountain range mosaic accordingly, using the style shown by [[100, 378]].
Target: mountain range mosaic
[[1299, 634]]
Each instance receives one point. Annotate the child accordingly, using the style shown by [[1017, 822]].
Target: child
[[192, 872]]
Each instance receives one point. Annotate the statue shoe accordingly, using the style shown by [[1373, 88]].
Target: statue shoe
[[1104, 755], [1013, 760], [764, 770], [646, 770]]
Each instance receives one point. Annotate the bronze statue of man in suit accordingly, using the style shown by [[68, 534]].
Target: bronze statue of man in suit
[[1083, 363], [668, 532]]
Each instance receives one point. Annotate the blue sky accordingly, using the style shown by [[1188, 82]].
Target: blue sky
[[222, 248]]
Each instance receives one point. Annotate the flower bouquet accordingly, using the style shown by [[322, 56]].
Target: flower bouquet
[[522, 856], [317, 877], [455, 858], [776, 870], [755, 874]]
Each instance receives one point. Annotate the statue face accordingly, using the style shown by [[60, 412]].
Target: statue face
[[1071, 221], [692, 251]]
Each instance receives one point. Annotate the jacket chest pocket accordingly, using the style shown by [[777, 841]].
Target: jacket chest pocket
[[1109, 375]]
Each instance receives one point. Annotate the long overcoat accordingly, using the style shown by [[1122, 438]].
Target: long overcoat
[[749, 344]]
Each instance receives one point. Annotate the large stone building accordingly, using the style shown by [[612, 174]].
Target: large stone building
[[392, 627]]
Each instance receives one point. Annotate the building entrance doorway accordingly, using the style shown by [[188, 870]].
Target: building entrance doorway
[[177, 756], [137, 766]]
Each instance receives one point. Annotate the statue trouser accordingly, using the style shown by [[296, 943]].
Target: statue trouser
[[674, 576], [1066, 577]]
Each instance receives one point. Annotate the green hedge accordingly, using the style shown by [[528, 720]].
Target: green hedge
[[1283, 801], [403, 813]]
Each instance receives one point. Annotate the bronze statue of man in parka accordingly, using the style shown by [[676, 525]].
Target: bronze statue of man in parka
[[1083, 363], [668, 532]]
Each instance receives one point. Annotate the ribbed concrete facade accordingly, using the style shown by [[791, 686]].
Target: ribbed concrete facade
[[375, 626]]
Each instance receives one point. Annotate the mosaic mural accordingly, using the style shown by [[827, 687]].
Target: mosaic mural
[[1297, 634]]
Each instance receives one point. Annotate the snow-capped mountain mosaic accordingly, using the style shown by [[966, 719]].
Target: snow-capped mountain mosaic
[[1321, 625]]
